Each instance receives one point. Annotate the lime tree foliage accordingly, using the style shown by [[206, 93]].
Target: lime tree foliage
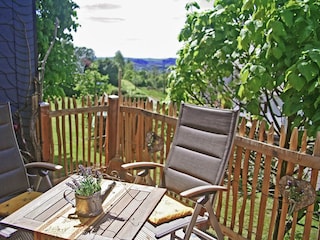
[[55, 20], [88, 79], [143, 80], [119, 59], [85, 56], [91, 82], [109, 67], [263, 56], [146, 78]]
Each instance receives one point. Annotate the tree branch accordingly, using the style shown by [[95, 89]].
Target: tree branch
[[44, 61]]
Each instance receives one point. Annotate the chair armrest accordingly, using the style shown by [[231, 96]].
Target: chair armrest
[[202, 190], [141, 165], [43, 166], [42, 170], [143, 176]]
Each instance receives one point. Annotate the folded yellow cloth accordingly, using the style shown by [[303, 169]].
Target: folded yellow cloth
[[169, 209], [13, 204]]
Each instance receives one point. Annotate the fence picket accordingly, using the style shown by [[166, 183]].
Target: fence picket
[[70, 132], [278, 175], [76, 119], [265, 187], [252, 208]]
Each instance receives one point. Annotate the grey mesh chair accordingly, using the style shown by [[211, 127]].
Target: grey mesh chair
[[196, 165], [14, 177]]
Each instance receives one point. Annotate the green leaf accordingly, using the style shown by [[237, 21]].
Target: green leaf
[[257, 69], [277, 52], [244, 75], [316, 117], [305, 31], [313, 86], [287, 17], [195, 53], [243, 39], [314, 54], [255, 84], [316, 103], [277, 28], [247, 5], [253, 107], [295, 81], [308, 70], [241, 91], [260, 13], [291, 107]]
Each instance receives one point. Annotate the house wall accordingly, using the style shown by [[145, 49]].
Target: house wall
[[18, 63]]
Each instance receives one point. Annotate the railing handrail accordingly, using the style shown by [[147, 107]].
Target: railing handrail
[[295, 157], [148, 113], [89, 109], [253, 170]]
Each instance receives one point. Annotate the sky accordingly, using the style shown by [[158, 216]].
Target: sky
[[136, 28]]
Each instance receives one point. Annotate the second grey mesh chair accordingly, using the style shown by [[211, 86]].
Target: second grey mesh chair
[[196, 164], [15, 189]]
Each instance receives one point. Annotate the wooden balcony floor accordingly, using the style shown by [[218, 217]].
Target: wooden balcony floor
[[146, 234]]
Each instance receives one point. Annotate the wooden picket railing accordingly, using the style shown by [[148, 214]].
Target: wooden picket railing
[[74, 132], [104, 131]]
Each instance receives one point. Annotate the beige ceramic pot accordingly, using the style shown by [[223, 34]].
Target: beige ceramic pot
[[89, 206]]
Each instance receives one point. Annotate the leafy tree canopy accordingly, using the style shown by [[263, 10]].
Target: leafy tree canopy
[[119, 59], [261, 55], [85, 56], [109, 67], [56, 19], [91, 82]]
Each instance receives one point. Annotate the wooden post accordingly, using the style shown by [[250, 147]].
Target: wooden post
[[45, 126], [112, 126]]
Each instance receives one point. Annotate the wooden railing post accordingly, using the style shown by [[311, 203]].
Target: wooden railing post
[[112, 132], [45, 126]]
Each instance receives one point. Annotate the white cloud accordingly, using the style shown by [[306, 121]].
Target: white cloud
[[138, 28]]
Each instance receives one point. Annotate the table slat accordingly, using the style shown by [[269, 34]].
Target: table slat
[[126, 210]]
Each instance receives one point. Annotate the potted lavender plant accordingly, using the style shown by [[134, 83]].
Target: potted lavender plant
[[87, 190]]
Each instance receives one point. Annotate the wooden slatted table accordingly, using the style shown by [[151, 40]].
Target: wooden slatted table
[[126, 210]]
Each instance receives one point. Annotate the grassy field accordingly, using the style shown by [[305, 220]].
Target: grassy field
[[131, 90], [299, 228]]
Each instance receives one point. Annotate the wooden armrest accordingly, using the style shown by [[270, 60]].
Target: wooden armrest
[[141, 165], [202, 190], [43, 165]]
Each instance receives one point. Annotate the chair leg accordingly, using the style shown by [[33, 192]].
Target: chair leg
[[173, 236], [138, 180], [193, 220], [149, 180], [213, 220], [38, 182]]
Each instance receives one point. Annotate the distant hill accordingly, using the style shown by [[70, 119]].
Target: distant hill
[[151, 63]]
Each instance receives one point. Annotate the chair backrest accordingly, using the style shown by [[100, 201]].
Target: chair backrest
[[201, 147], [13, 176]]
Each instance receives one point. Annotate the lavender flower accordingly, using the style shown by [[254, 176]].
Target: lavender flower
[[89, 184]]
